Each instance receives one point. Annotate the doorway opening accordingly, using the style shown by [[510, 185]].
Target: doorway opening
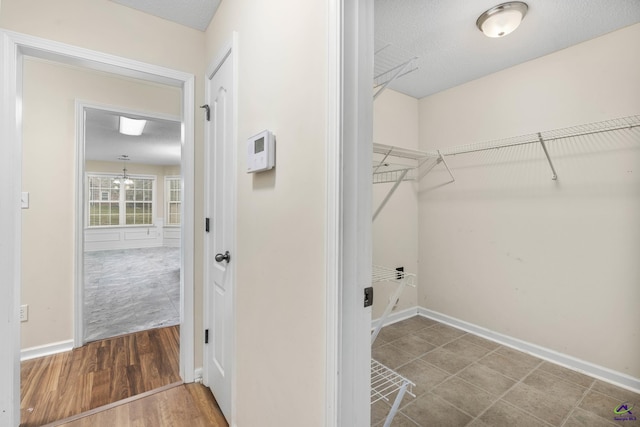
[[129, 213], [17, 49]]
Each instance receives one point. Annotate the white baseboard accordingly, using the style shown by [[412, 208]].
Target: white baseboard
[[46, 350], [197, 375], [570, 362]]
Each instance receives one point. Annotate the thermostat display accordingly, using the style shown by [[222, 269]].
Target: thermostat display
[[260, 152]]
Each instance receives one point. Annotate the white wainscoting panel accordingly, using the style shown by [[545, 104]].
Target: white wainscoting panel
[[101, 239], [171, 236]]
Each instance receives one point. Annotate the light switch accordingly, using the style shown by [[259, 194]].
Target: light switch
[[25, 200]]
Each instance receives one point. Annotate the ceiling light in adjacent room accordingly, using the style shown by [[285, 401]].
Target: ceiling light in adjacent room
[[131, 126], [502, 19], [124, 178]]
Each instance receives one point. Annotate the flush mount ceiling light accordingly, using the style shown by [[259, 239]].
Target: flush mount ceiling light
[[502, 19], [131, 126]]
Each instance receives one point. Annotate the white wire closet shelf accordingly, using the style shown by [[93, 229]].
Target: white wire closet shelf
[[621, 123], [395, 165], [544, 137], [386, 274], [384, 383], [390, 63], [400, 279], [425, 161]]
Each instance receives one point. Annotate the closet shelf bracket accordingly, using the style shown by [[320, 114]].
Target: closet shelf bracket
[[400, 177], [546, 153], [402, 279], [441, 158], [410, 165]]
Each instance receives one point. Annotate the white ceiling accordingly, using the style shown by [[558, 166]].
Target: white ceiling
[[443, 34], [453, 51], [196, 14], [159, 143]]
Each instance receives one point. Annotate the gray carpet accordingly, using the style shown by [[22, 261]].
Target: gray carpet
[[130, 290]]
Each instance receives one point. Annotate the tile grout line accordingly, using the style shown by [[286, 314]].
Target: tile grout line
[[509, 403], [414, 333], [447, 378], [584, 394], [424, 361], [473, 419]]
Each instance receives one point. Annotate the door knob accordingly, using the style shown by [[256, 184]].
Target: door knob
[[225, 257]]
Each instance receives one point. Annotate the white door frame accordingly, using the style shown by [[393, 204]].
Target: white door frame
[[349, 212], [81, 106], [228, 52], [13, 46]]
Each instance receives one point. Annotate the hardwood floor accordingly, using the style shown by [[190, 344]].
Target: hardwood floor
[[65, 384], [184, 405]]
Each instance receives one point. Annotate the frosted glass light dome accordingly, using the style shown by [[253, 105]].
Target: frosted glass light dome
[[502, 19]]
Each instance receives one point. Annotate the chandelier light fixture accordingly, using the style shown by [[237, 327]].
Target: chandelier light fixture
[[125, 179], [502, 19]]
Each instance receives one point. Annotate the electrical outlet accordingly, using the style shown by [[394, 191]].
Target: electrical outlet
[[24, 313]]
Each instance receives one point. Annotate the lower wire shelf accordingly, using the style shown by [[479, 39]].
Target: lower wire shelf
[[384, 383]]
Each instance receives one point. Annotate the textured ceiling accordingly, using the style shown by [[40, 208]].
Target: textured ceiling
[[442, 33], [159, 143], [192, 13], [452, 51]]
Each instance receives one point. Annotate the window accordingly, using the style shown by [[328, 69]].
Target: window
[[139, 202], [104, 205], [173, 199], [110, 204]]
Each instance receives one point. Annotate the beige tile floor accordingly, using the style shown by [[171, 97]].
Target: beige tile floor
[[464, 380]]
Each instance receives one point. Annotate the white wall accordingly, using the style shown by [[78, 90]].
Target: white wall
[[395, 240], [280, 260], [508, 249]]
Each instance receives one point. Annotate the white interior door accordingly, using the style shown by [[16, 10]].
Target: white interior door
[[219, 240]]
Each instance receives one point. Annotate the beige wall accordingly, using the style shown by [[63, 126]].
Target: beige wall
[[108, 27], [50, 92], [280, 288], [395, 237], [105, 26], [505, 247]]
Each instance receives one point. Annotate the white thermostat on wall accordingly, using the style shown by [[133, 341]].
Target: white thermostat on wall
[[261, 154]]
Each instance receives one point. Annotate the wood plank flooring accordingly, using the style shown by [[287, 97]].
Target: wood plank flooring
[[99, 373], [185, 405]]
